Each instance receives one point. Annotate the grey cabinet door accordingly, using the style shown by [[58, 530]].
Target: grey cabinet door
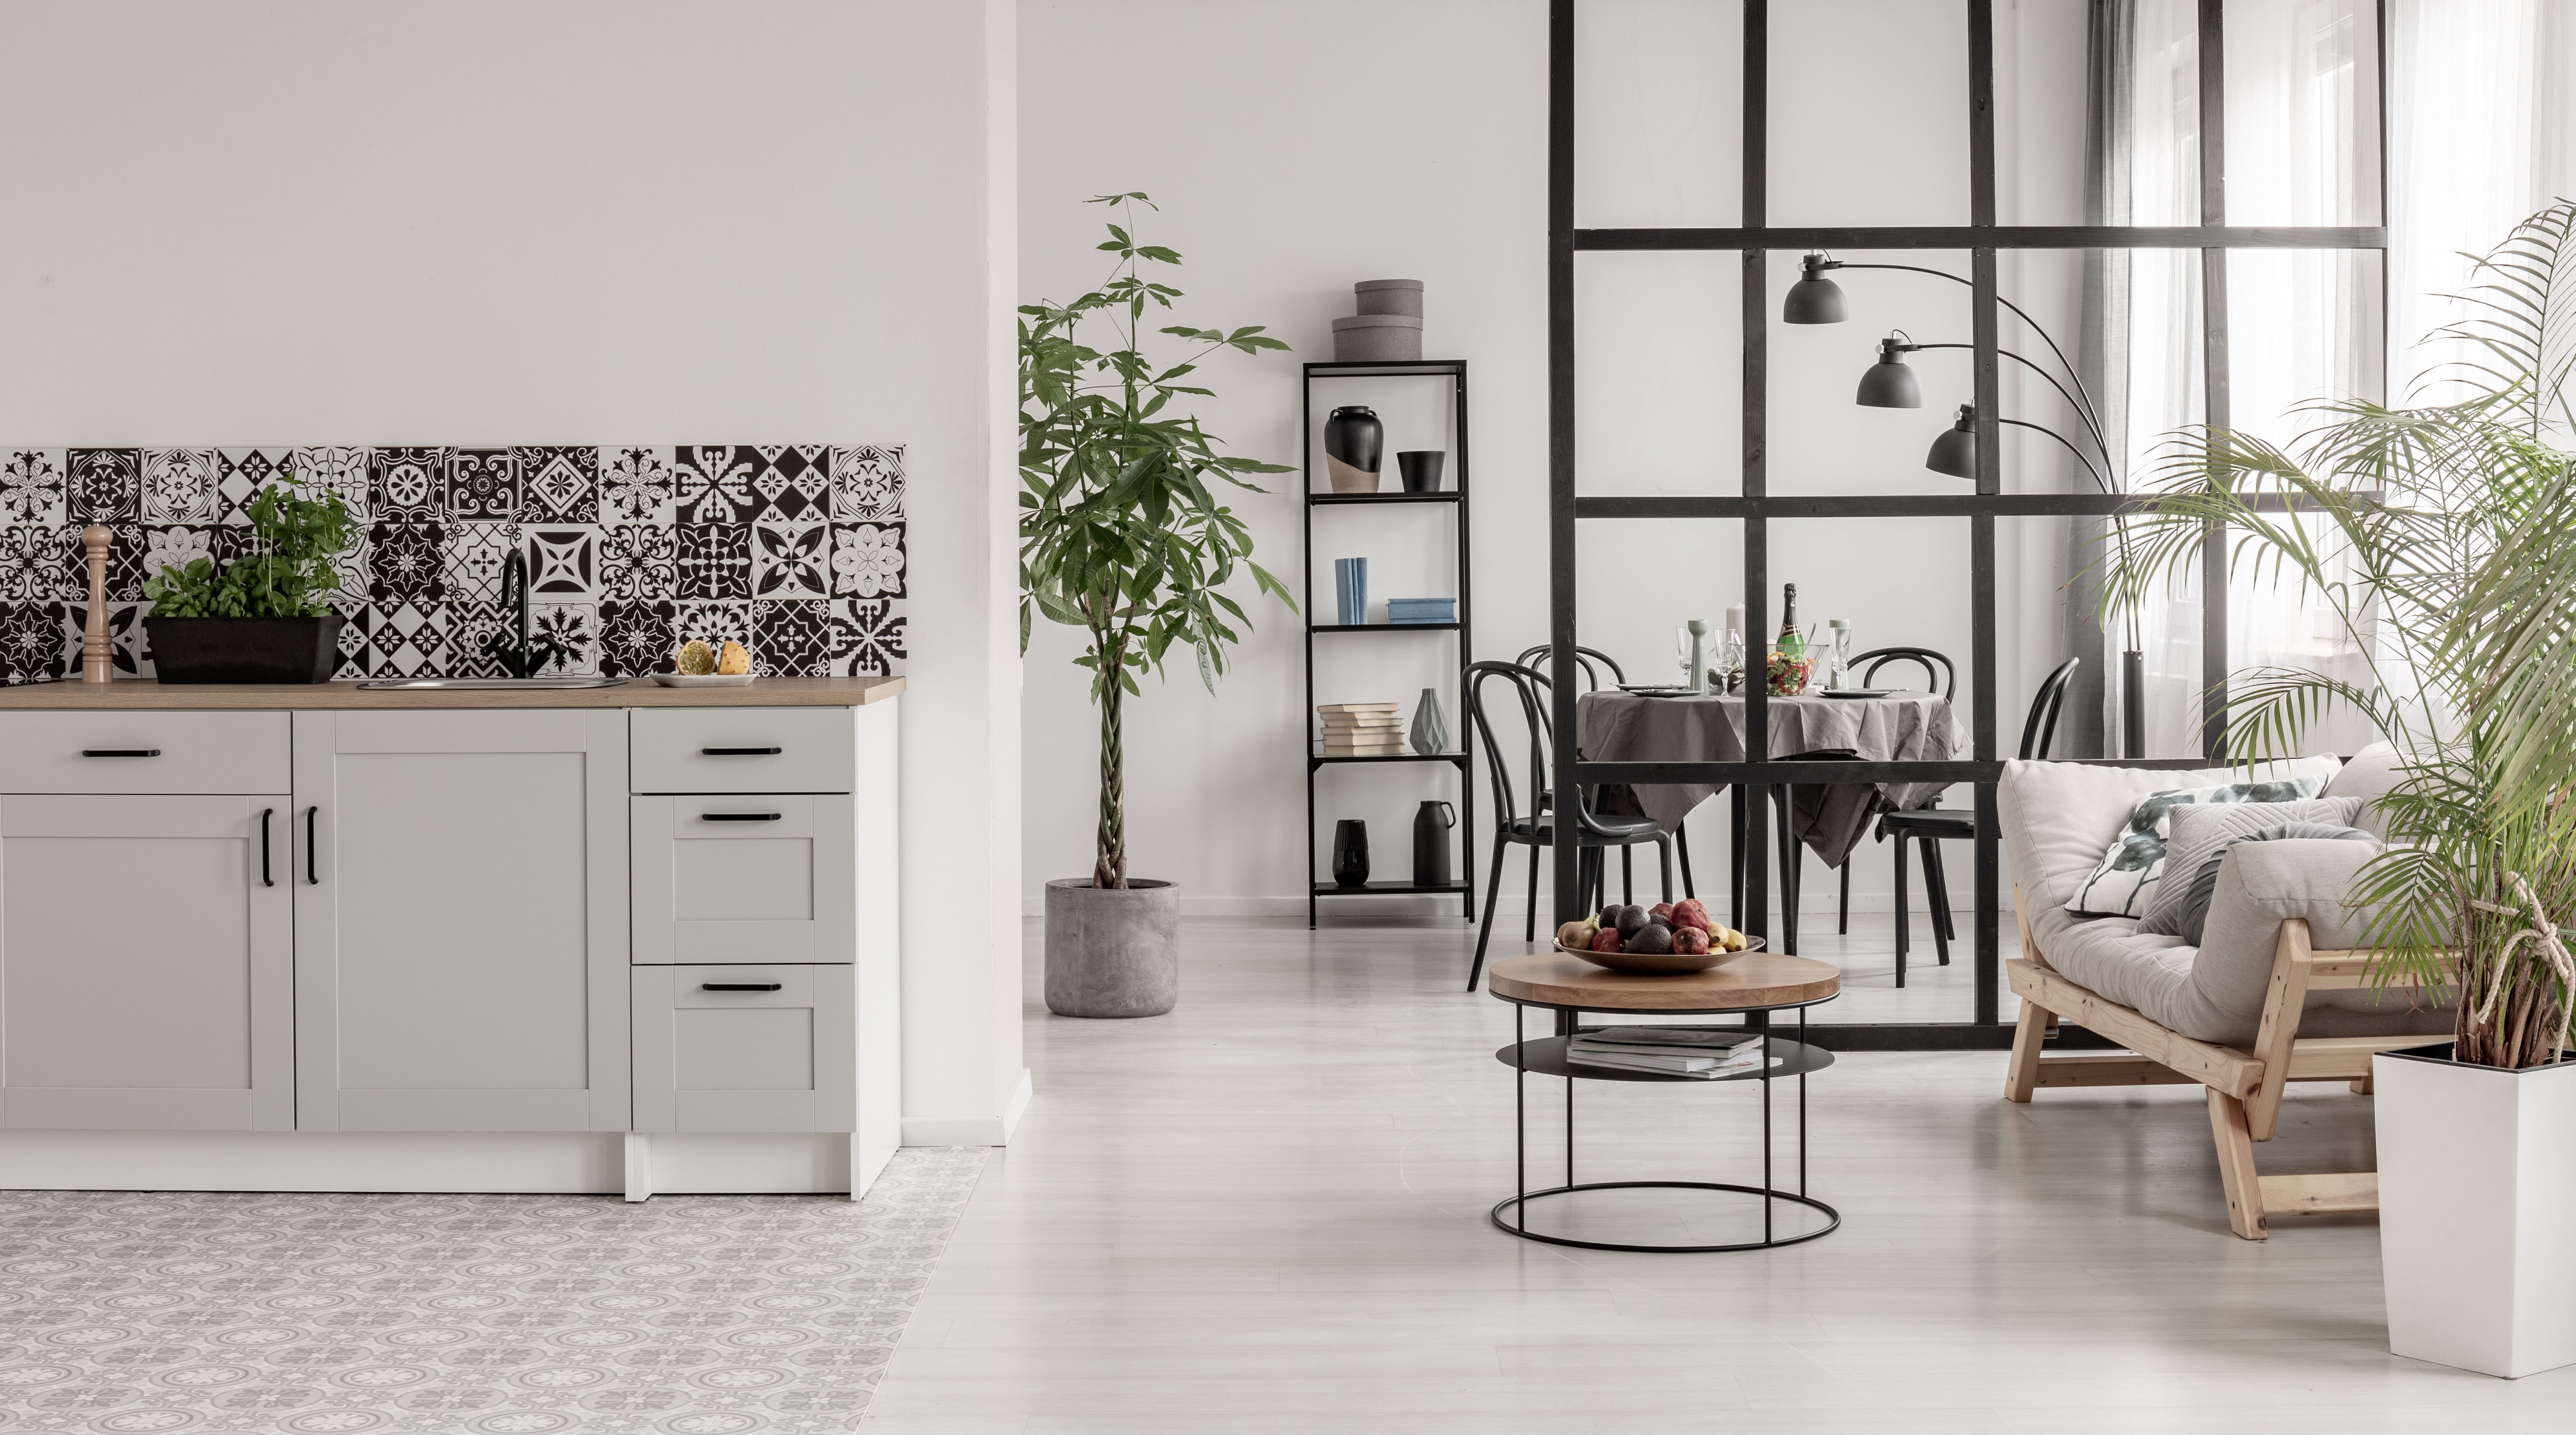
[[749, 878], [146, 968], [746, 1048], [460, 916]]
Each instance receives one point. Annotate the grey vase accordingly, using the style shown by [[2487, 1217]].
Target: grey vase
[[1430, 732]]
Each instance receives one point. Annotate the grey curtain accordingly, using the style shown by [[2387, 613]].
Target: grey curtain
[[2088, 727]]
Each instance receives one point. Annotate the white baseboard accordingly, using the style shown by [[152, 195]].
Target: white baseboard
[[510, 1162], [972, 1130]]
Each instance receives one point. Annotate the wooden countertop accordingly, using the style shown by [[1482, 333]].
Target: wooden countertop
[[129, 696]]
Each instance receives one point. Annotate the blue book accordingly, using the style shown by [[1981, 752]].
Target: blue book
[[1350, 591]]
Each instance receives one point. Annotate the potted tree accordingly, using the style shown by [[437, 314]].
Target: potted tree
[[2443, 538], [266, 616], [1122, 536]]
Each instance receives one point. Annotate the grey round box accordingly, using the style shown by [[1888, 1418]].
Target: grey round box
[[1377, 339], [1111, 952], [1390, 296]]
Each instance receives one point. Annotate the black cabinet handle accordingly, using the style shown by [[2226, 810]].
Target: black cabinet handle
[[265, 879], [740, 816], [742, 751], [120, 752], [312, 849], [740, 986]]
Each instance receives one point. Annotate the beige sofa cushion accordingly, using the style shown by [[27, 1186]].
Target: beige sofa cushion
[[2058, 817], [2369, 776], [2215, 993]]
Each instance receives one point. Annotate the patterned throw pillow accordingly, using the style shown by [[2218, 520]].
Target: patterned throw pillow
[[2200, 832], [2124, 882]]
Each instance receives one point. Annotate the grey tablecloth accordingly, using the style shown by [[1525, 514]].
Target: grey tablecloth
[[1901, 727]]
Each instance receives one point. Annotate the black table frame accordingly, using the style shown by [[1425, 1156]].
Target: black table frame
[[1805, 1058]]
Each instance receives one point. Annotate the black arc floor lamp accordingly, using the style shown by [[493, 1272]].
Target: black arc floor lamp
[[1890, 384]]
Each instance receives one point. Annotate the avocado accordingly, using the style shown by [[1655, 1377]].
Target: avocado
[[1630, 920], [1652, 937]]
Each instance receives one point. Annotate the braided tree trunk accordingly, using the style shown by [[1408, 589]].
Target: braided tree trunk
[[1109, 867]]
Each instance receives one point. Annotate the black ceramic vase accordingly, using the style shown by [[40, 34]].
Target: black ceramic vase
[[1431, 824], [1350, 853], [1354, 443]]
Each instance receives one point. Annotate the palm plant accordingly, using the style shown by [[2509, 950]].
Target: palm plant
[[2442, 538], [1121, 534]]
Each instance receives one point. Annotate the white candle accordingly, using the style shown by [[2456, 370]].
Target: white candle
[[1735, 620]]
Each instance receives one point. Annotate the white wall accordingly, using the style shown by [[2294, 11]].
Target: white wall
[[1338, 140], [533, 221]]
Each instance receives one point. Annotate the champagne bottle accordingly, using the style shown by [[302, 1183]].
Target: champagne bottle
[[1791, 643]]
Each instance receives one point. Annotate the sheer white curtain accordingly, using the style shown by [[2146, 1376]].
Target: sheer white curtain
[[2482, 131]]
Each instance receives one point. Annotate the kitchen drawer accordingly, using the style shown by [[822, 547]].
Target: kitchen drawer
[[769, 1048], [750, 877], [743, 750], [188, 752]]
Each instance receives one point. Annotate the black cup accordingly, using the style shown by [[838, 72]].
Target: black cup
[[1421, 469]]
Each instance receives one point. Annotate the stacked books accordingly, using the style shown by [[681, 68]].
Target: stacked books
[[1422, 610], [1697, 1052], [1361, 730]]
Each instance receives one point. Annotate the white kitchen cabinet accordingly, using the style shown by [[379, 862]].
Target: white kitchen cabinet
[[461, 920], [746, 1048], [146, 961], [745, 878]]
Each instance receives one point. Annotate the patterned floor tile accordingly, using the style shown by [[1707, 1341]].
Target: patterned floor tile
[[496, 1315]]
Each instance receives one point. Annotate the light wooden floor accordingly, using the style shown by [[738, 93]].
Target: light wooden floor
[[1266, 1212]]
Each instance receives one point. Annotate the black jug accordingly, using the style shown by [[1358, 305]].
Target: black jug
[[1350, 853], [1431, 824]]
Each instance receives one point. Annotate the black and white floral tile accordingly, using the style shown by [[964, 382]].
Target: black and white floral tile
[[795, 550]]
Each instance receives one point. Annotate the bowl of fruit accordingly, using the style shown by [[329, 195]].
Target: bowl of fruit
[[1666, 938]]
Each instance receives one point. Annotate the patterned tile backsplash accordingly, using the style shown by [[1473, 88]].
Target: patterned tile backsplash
[[795, 550]]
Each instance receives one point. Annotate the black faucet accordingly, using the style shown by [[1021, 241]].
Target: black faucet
[[524, 659]]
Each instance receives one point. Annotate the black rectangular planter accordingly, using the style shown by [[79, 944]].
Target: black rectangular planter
[[245, 650]]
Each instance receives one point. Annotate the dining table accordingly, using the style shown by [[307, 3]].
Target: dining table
[[1612, 725]]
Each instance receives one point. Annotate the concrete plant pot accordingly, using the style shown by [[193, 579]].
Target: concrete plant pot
[[1112, 953], [2477, 1172]]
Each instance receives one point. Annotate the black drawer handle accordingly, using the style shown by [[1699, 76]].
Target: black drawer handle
[[740, 986], [265, 879], [742, 751], [312, 849], [120, 752], [740, 816]]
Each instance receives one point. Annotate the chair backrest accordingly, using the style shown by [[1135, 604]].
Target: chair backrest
[[1941, 677], [1535, 659], [2040, 728], [1530, 690]]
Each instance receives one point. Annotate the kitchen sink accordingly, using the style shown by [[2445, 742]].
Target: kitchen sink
[[494, 685]]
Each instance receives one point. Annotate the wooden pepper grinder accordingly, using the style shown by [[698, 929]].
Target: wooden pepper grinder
[[98, 656]]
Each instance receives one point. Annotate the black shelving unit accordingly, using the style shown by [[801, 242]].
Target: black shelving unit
[[1455, 495]]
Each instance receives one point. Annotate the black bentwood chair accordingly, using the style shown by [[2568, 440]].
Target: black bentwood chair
[[1933, 826], [1939, 677], [1590, 662], [1593, 831]]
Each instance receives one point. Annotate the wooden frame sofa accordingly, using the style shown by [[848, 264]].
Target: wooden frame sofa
[[2319, 1017]]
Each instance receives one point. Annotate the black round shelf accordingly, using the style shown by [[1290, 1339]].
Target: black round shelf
[[1518, 1207], [1545, 1056]]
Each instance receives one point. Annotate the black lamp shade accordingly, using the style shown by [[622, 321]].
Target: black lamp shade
[[1889, 384], [1814, 299], [1955, 451]]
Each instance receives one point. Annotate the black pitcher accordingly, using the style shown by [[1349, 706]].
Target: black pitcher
[[1350, 853], [1431, 824]]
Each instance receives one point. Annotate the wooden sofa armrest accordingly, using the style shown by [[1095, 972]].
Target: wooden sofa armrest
[[2298, 968]]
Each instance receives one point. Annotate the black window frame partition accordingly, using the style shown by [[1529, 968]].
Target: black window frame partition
[[1982, 237]]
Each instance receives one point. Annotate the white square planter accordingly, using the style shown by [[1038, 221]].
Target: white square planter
[[2477, 1211]]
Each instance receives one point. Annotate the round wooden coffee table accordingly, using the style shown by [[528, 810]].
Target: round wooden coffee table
[[1754, 986]]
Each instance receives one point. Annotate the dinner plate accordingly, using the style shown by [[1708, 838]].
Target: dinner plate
[[1859, 692], [1646, 691]]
